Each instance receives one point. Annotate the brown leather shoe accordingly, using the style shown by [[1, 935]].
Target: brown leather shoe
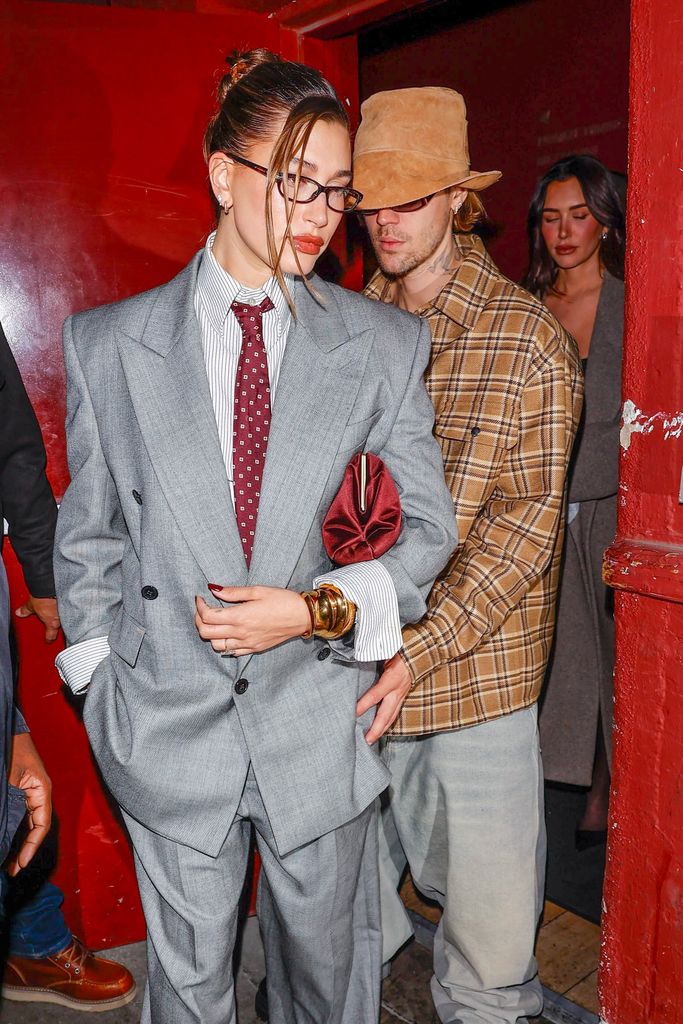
[[75, 978]]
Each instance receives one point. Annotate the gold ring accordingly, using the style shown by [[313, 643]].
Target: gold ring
[[225, 653]]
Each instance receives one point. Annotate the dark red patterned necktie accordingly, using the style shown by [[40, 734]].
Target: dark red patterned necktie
[[251, 420]]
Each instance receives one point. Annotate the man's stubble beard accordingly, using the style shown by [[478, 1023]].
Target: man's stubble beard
[[399, 265]]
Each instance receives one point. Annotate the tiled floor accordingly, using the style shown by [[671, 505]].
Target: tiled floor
[[568, 951]]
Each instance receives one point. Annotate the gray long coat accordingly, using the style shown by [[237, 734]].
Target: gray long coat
[[149, 514], [578, 686]]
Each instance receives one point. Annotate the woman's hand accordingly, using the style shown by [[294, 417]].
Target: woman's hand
[[257, 619]]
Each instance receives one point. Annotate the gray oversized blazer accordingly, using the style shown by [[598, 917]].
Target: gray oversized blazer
[[171, 735], [578, 688]]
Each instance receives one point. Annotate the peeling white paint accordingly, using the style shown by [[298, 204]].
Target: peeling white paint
[[623, 491], [629, 424], [673, 426], [636, 422]]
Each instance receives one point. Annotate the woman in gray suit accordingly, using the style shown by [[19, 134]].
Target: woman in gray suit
[[576, 235], [210, 423]]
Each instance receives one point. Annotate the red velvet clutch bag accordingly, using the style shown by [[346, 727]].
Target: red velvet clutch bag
[[364, 520]]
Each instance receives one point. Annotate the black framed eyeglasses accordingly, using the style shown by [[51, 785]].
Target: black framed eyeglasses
[[339, 198], [411, 207]]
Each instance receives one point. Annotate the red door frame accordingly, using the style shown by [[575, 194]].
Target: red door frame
[[641, 976]]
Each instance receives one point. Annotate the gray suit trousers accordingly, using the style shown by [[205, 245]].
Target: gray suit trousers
[[318, 910]]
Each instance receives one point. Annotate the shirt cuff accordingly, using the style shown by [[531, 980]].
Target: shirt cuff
[[77, 663], [372, 590]]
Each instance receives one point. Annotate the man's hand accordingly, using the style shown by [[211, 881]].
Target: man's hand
[[46, 610], [27, 772], [388, 693], [256, 619]]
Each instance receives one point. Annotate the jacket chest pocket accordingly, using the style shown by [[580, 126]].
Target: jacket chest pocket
[[478, 428], [474, 448], [355, 435]]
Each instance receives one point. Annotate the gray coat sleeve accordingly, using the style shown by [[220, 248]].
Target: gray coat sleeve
[[90, 529], [413, 456], [429, 532]]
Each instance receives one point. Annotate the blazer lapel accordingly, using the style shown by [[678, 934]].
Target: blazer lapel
[[321, 373], [169, 389]]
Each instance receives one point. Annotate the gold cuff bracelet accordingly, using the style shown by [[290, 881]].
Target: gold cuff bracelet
[[332, 615]]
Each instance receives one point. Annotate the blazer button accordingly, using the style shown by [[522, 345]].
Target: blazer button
[[241, 686], [476, 431], [325, 653], [138, 497], [149, 593]]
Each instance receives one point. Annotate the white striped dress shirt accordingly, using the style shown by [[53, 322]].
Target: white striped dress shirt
[[368, 584]]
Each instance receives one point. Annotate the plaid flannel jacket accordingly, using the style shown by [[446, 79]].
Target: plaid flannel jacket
[[507, 386]]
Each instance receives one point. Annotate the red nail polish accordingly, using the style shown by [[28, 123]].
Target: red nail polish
[[215, 586]]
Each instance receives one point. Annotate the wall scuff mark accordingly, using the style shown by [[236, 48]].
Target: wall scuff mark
[[636, 422]]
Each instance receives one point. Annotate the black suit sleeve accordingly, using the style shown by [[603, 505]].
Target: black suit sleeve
[[26, 499]]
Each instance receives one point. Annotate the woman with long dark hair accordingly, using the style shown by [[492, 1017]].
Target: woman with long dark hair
[[576, 266], [210, 423]]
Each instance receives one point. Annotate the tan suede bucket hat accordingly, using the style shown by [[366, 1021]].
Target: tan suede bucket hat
[[412, 143]]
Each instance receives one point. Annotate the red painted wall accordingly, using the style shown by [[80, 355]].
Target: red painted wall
[[102, 194], [540, 79], [641, 978]]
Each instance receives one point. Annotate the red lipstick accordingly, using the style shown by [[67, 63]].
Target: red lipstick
[[310, 244]]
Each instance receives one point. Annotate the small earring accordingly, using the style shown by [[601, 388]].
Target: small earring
[[603, 236]]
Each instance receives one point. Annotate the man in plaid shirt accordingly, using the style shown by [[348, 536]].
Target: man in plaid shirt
[[466, 802]]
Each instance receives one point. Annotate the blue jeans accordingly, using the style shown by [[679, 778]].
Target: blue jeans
[[35, 924]]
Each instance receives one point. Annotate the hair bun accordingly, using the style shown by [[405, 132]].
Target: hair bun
[[242, 64]]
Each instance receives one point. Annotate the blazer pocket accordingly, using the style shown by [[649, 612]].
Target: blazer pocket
[[125, 637], [356, 434]]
